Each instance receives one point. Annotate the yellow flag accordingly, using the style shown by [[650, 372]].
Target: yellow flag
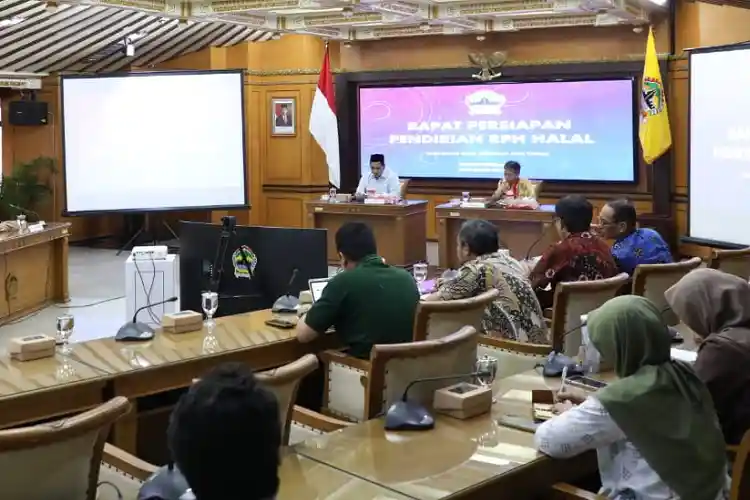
[[654, 131]]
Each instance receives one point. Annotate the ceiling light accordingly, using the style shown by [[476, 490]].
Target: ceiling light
[[660, 3], [184, 21], [52, 6], [347, 12], [11, 22], [347, 45]]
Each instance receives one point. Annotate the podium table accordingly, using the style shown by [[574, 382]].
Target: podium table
[[521, 231], [400, 229]]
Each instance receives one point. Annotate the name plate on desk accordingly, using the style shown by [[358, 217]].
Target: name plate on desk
[[375, 201], [472, 204]]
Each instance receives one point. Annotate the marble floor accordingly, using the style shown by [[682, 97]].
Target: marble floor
[[97, 297]]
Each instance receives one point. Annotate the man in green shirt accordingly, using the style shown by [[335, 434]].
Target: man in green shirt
[[368, 303]]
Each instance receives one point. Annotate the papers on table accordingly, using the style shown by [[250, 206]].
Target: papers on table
[[684, 355]]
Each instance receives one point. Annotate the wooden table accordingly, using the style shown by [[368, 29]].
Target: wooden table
[[475, 458], [523, 232], [400, 229], [34, 268]]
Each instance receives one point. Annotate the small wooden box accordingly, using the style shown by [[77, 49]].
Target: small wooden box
[[463, 400], [31, 347], [182, 321]]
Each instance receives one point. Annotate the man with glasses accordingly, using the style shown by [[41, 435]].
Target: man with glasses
[[633, 245]]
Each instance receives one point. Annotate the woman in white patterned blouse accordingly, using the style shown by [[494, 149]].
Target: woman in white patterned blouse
[[654, 429]]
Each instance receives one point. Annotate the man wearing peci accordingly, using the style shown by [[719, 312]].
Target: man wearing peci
[[284, 119], [512, 185], [381, 179]]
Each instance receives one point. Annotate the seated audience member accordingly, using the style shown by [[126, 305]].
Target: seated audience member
[[633, 245], [369, 303], [512, 186], [224, 436], [579, 256], [654, 428], [516, 314], [716, 306]]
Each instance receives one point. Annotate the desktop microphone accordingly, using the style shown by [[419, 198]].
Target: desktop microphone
[[536, 241], [287, 303], [135, 330], [407, 415]]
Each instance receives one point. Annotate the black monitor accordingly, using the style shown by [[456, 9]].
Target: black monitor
[[271, 253]]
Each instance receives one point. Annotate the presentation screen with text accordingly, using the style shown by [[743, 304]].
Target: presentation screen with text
[[719, 178], [150, 141], [563, 130]]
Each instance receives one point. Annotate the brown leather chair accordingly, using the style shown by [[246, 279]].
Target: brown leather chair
[[438, 318], [358, 390], [60, 459], [736, 262], [574, 299], [652, 280]]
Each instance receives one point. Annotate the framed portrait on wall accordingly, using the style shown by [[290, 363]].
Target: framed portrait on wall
[[283, 116]]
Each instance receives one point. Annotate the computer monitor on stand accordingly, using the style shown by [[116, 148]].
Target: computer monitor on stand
[[248, 266]]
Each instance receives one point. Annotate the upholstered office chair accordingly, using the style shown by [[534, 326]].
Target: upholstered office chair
[[436, 319], [404, 188], [537, 188], [574, 299], [59, 459], [358, 390], [652, 280], [736, 262]]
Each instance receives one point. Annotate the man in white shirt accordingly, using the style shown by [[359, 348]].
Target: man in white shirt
[[380, 179]]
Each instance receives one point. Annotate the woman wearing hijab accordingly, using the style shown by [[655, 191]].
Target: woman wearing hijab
[[716, 306], [654, 428]]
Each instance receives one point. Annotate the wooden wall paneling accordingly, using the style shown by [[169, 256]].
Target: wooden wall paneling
[[285, 209], [283, 158]]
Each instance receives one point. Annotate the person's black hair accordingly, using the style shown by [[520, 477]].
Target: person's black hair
[[480, 236], [355, 241], [377, 157], [575, 213], [514, 166], [224, 436], [284, 106], [623, 210]]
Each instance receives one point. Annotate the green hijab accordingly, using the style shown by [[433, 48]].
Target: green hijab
[[660, 404]]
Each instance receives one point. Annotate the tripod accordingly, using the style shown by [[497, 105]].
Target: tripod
[[149, 234]]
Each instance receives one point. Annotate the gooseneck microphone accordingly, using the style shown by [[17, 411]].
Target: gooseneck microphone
[[287, 303], [134, 330]]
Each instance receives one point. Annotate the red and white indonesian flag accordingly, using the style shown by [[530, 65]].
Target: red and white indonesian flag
[[323, 125]]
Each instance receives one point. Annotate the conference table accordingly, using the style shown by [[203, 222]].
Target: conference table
[[524, 232], [400, 228]]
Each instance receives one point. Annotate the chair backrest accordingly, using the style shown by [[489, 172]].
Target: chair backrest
[[537, 188], [736, 262], [741, 470], [574, 299], [394, 366], [284, 382], [652, 280], [59, 459], [438, 318], [512, 357], [404, 187]]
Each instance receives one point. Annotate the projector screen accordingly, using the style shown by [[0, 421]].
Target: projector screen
[[154, 141], [563, 130], [719, 168]]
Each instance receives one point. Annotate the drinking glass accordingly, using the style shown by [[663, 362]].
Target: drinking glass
[[420, 272], [23, 226], [210, 342], [332, 195], [65, 325], [487, 366], [209, 303], [465, 197]]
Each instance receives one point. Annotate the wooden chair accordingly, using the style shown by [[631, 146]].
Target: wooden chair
[[574, 299], [512, 357], [297, 423], [736, 262], [358, 390], [59, 459], [438, 318], [403, 188], [537, 188], [652, 280]]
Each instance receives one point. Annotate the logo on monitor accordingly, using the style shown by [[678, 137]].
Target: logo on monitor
[[485, 102], [652, 97], [244, 261]]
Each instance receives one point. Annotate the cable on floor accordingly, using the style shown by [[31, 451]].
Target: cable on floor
[[90, 304]]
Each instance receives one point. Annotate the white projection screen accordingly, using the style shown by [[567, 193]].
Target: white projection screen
[[719, 159], [154, 142]]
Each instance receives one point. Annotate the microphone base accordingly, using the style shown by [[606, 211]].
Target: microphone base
[[408, 416], [134, 332]]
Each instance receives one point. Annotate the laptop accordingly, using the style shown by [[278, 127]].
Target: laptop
[[316, 287]]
